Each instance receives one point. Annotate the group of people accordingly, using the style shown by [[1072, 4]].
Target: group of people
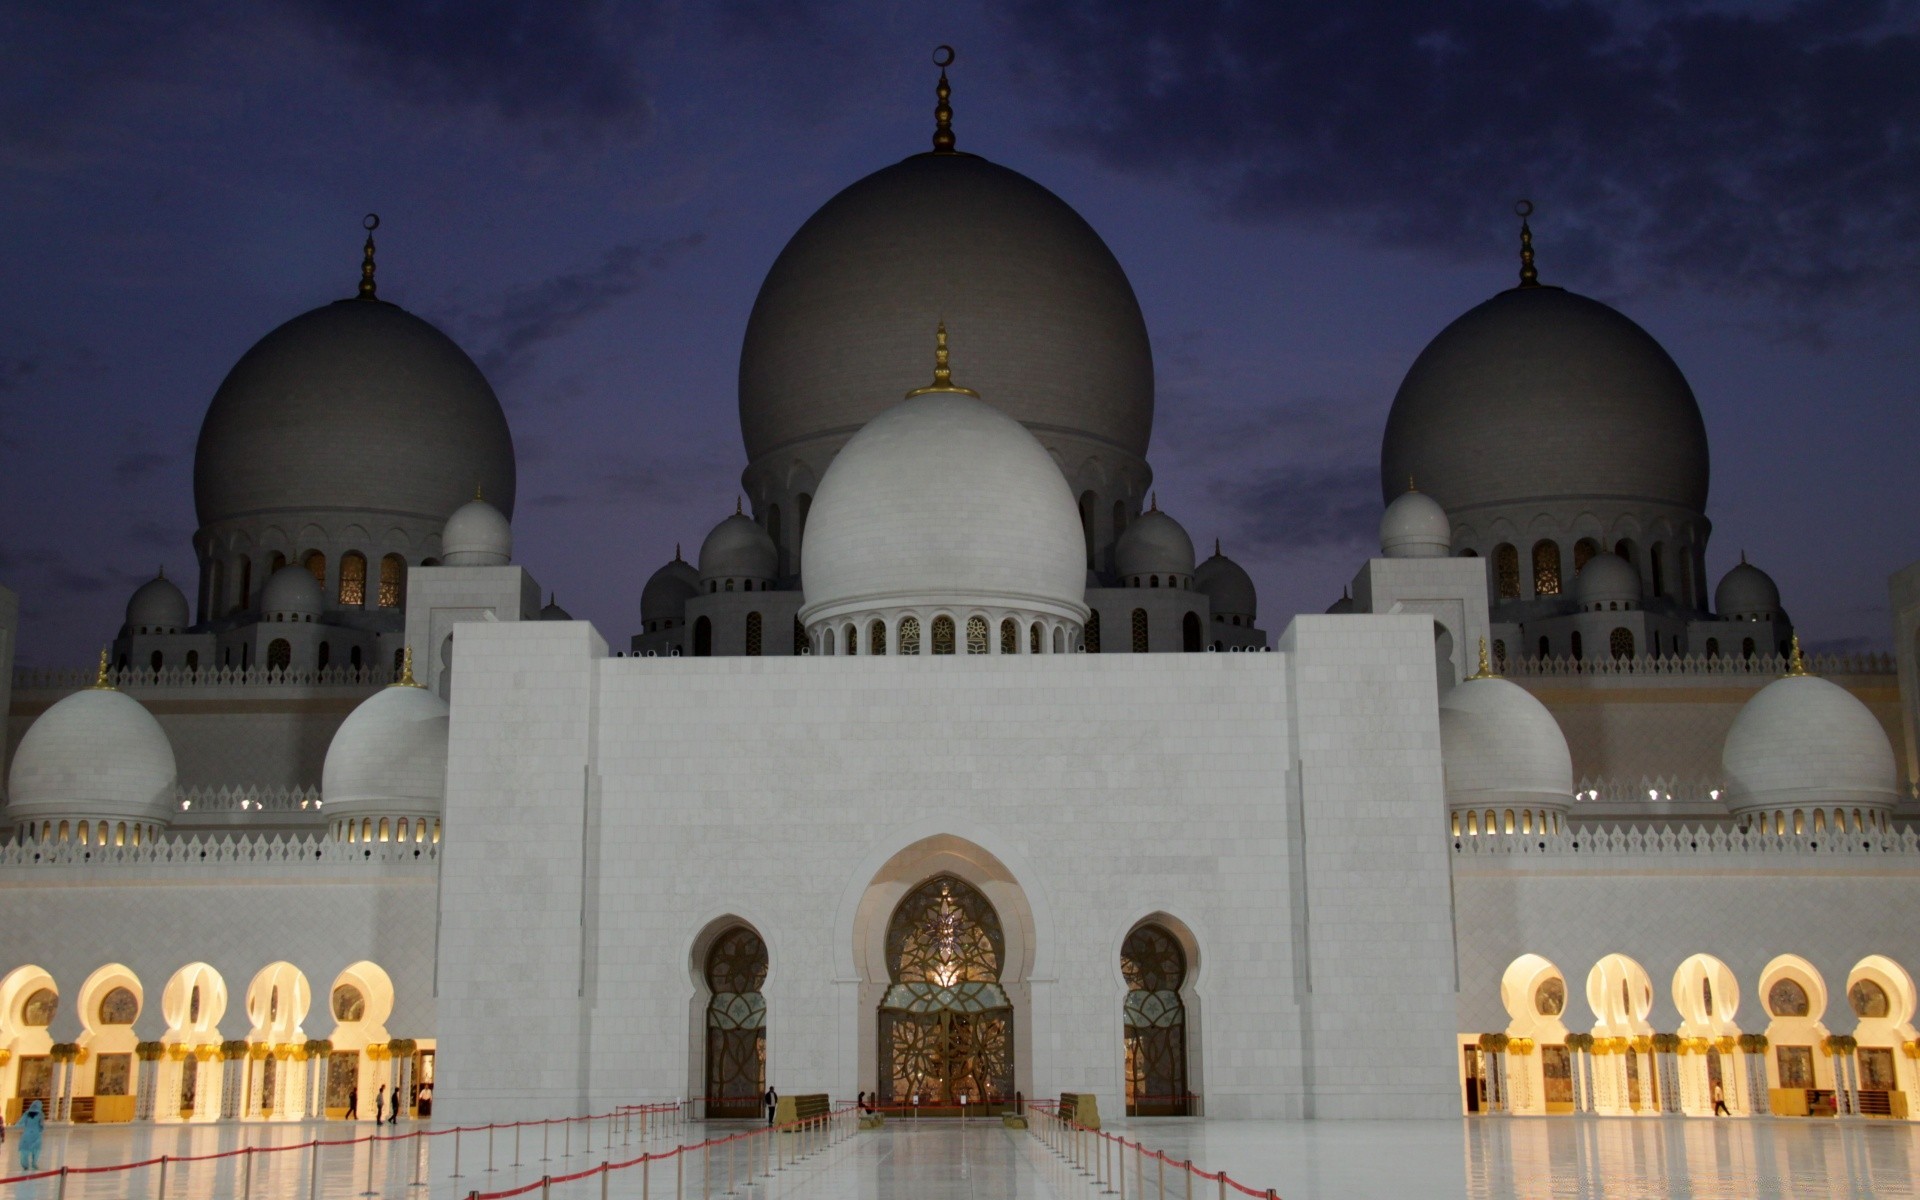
[[380, 1114]]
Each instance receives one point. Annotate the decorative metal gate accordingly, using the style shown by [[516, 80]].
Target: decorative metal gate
[[736, 1024], [946, 1025]]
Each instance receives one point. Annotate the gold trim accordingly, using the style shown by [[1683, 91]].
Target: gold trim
[[371, 223], [1486, 666], [1796, 662], [943, 111], [942, 371], [1529, 276], [406, 670], [100, 681]]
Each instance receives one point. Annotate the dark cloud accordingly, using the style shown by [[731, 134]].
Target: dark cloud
[[136, 465], [1301, 507], [535, 314], [15, 372], [1774, 149], [572, 64]]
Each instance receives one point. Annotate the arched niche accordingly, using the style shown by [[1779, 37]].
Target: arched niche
[[1620, 993], [110, 1001], [1793, 994], [26, 1017], [359, 1000], [278, 1001], [1157, 1013], [727, 1018], [1880, 994], [1707, 995], [1535, 994], [190, 1080], [873, 913]]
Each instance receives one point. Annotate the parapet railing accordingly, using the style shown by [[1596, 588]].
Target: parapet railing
[[1099, 1161], [136, 678], [223, 799], [216, 849], [1683, 840], [1760, 666], [652, 1120], [1658, 789]]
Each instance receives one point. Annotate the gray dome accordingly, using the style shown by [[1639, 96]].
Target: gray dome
[[358, 405], [157, 606], [1803, 740], [1047, 318], [1746, 592], [1538, 395], [1341, 607], [1606, 579], [1154, 544], [476, 535], [1227, 584], [292, 591], [389, 755], [1499, 746], [1415, 526], [738, 549], [667, 592], [96, 753], [553, 611]]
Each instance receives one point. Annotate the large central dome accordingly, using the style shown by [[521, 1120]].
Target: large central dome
[[1047, 317]]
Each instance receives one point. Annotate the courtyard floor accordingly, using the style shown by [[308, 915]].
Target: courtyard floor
[[1357, 1160]]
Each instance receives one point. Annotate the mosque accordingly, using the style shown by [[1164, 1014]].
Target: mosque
[[1536, 819]]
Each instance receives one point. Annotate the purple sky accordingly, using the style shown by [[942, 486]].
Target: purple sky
[[587, 196]]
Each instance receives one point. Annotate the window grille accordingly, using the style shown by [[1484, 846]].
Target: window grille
[[943, 635], [877, 638], [909, 635], [1009, 636], [753, 635], [353, 579], [977, 635], [1093, 633], [1620, 642], [1546, 568], [393, 581], [1140, 644]]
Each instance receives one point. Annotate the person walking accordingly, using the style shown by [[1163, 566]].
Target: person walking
[[772, 1099], [31, 1123], [393, 1118], [353, 1105], [380, 1106], [1720, 1102]]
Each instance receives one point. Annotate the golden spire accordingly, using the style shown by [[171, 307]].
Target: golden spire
[[477, 496], [1410, 486], [1796, 662], [942, 372], [736, 505], [371, 223], [1486, 666], [100, 681], [943, 111], [1153, 502], [1528, 276], [406, 670]]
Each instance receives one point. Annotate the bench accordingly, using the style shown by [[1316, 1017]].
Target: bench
[[802, 1109], [1080, 1108]]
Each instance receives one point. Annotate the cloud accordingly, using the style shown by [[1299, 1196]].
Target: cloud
[[538, 313], [136, 465], [1300, 507], [1773, 150], [15, 372]]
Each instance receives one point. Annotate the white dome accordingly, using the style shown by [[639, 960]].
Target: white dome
[[389, 756], [1227, 584], [1415, 526], [1746, 593], [1606, 579], [97, 753], [667, 592], [157, 606], [944, 500], [1501, 747], [292, 591], [476, 535], [1154, 544], [739, 549], [1803, 740]]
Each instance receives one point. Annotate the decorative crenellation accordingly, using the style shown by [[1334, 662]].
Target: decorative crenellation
[[136, 678], [1760, 666], [246, 850], [1688, 841]]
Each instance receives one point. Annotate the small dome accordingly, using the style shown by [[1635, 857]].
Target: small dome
[[1415, 526], [157, 606], [1154, 544], [553, 611], [1227, 585], [1499, 747], [1341, 607], [944, 499], [739, 549], [294, 592], [476, 535], [389, 755], [667, 592], [97, 753], [1606, 579], [1803, 740], [1746, 593]]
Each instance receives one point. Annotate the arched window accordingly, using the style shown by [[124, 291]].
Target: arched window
[[1500, 653], [354, 658], [398, 654], [1583, 550], [1140, 643], [729, 585], [316, 565], [773, 533], [1624, 548], [909, 635], [1656, 565], [1155, 968], [1093, 633], [1059, 640], [943, 634], [850, 636], [274, 563], [977, 635], [1746, 647], [156, 660], [1573, 641], [118, 1007], [1546, 568], [826, 641], [1033, 638], [323, 657], [353, 580], [393, 581], [736, 1077], [703, 638], [753, 635], [1153, 581], [246, 583], [1620, 642], [1009, 636], [1506, 569], [193, 660], [1713, 647], [1190, 634], [877, 637], [1086, 524], [946, 1024], [1545, 647], [216, 579], [279, 654]]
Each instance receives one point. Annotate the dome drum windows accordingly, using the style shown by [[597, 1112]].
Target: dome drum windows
[[353, 580], [1546, 568], [943, 634], [977, 635], [1506, 562], [393, 581]]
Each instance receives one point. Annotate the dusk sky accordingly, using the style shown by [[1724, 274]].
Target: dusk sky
[[587, 196]]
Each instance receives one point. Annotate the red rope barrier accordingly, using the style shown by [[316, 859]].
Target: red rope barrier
[[1050, 1109]]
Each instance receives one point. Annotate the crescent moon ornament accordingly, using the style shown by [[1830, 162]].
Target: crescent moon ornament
[[943, 56]]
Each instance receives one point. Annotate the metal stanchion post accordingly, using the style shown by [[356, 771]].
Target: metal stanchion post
[[369, 1191], [456, 1153], [546, 1138], [730, 1153], [679, 1173], [419, 1160], [567, 1139], [706, 1171], [603, 1181], [313, 1171], [489, 1147], [1189, 1169], [61, 1193], [162, 1192], [1161, 1168]]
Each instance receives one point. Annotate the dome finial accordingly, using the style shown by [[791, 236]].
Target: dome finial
[[1743, 556], [943, 111], [477, 496], [370, 223], [1529, 277], [100, 681], [942, 370], [1486, 665], [736, 506], [406, 670], [1216, 547], [1796, 662], [1410, 486], [1153, 502]]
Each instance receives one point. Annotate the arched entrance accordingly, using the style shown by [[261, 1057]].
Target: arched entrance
[[1155, 968], [945, 1022], [736, 1075]]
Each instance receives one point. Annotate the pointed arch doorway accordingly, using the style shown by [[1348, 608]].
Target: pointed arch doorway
[[946, 1025]]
